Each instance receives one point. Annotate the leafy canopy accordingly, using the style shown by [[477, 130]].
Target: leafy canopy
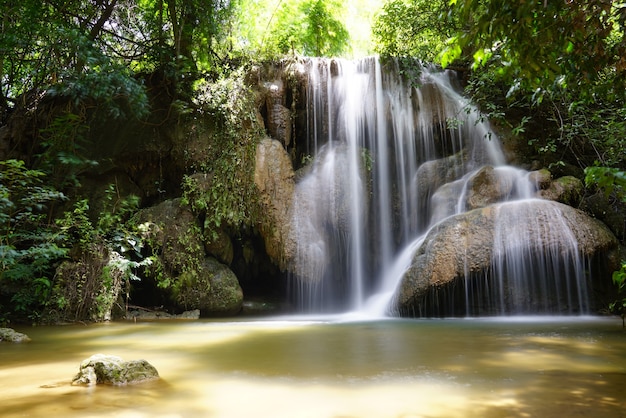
[[540, 43], [309, 27], [415, 28]]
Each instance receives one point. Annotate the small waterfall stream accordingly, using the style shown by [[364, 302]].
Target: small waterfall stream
[[390, 159]]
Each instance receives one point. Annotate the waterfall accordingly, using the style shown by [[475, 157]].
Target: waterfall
[[390, 158]]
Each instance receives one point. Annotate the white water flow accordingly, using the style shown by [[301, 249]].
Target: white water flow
[[391, 158]]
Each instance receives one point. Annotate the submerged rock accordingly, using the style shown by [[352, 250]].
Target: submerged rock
[[112, 370], [12, 336], [147, 315]]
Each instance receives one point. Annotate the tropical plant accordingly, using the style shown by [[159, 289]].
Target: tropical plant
[[539, 43], [29, 247]]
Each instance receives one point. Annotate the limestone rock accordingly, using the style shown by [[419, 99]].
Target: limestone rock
[[567, 189], [541, 178], [219, 245], [612, 213], [213, 289], [488, 186], [12, 336], [274, 179], [278, 115], [466, 244], [112, 370]]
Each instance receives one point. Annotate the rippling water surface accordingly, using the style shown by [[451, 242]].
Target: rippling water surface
[[327, 367]]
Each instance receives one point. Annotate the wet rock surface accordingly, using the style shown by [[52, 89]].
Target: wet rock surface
[[11, 336], [467, 244], [112, 370]]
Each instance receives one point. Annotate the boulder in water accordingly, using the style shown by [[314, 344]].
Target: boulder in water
[[484, 243], [112, 370], [12, 336]]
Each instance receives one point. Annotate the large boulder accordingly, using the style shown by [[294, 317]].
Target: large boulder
[[195, 280], [212, 288], [112, 370], [466, 245]]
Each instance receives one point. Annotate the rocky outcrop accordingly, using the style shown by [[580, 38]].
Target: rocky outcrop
[[11, 336], [197, 281], [211, 287], [567, 189], [608, 210], [278, 115], [172, 229], [465, 245], [112, 370], [274, 178]]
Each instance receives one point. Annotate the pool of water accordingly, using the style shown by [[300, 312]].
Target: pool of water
[[327, 367]]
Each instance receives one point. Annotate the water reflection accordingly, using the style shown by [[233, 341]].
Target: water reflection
[[327, 368]]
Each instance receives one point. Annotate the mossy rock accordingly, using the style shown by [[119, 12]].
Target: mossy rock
[[212, 288], [12, 336], [176, 234], [112, 370], [568, 190]]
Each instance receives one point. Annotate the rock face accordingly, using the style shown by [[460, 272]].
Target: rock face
[[112, 370], [274, 178], [11, 336], [467, 244], [278, 115]]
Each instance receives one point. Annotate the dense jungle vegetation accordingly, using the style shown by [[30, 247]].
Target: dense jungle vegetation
[[550, 73]]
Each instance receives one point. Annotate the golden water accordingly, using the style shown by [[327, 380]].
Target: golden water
[[327, 368]]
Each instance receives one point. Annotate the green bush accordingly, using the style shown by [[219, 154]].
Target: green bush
[[30, 246]]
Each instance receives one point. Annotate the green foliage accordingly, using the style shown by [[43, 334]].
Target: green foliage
[[609, 180], [91, 52], [229, 198], [64, 51], [619, 306], [109, 252], [308, 27], [540, 44], [413, 28], [29, 247], [612, 181]]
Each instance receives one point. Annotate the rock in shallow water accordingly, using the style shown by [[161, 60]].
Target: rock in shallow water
[[12, 336], [112, 370]]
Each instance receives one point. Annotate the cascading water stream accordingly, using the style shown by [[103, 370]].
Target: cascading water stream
[[390, 160]]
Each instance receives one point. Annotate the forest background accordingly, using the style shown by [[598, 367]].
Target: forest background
[[551, 73]]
